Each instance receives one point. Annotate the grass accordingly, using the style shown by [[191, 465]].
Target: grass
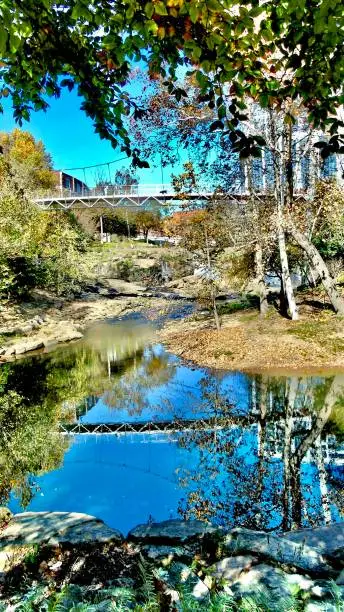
[[247, 302], [72, 597]]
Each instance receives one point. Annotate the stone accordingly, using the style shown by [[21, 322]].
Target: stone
[[124, 287], [5, 516], [93, 531], [174, 530], [56, 527], [179, 575], [279, 549], [27, 346], [323, 606], [327, 540], [259, 578], [340, 579], [230, 568], [166, 554]]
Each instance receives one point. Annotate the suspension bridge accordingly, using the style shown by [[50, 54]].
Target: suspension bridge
[[132, 197]]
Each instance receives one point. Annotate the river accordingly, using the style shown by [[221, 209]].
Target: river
[[258, 451]]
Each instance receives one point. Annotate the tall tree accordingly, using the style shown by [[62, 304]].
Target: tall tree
[[268, 51]]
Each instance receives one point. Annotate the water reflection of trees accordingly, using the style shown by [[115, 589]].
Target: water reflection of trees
[[283, 469], [39, 392]]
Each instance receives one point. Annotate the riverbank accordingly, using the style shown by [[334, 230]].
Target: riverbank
[[75, 559], [248, 342], [46, 321]]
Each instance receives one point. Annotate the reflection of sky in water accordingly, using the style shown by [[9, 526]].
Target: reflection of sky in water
[[126, 480], [180, 396], [131, 479]]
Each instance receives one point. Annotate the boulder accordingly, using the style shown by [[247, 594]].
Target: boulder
[[262, 578], [279, 549], [328, 540], [174, 530], [5, 516], [165, 554], [123, 287], [230, 568], [56, 527], [27, 346], [180, 576]]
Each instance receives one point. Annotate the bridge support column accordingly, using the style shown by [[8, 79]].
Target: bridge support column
[[101, 228]]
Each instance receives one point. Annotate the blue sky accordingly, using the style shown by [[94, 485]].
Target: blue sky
[[69, 137]]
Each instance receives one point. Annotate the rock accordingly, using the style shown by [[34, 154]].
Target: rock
[[166, 554], [340, 579], [230, 568], [260, 578], [124, 287], [279, 549], [172, 531], [56, 527], [27, 346], [323, 606], [5, 516], [327, 540], [86, 533], [24, 329], [179, 575]]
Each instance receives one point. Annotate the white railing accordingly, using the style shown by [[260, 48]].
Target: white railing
[[140, 190]]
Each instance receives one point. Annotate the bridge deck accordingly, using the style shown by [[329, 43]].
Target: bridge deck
[[128, 196], [147, 427]]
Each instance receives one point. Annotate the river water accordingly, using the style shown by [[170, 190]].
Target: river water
[[258, 451]]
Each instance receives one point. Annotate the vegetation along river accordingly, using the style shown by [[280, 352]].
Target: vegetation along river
[[258, 451]]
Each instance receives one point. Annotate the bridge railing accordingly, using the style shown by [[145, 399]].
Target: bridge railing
[[140, 189]]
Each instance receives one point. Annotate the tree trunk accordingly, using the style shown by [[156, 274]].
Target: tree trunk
[[262, 291], [280, 205], [319, 267], [286, 279], [288, 431]]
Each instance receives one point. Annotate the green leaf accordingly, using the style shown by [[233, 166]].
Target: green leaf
[[3, 39], [149, 9], [194, 13], [161, 9]]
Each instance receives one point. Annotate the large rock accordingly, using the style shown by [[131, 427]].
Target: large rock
[[328, 540], [5, 516], [230, 568], [124, 287], [56, 528], [172, 531], [279, 549], [165, 553], [262, 578], [180, 576]]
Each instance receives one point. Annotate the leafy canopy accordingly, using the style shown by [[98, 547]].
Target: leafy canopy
[[265, 49]]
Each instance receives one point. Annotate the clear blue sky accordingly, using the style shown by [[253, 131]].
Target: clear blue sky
[[69, 137]]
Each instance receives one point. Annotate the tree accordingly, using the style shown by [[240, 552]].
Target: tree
[[147, 220], [288, 163], [36, 248], [266, 51], [268, 487]]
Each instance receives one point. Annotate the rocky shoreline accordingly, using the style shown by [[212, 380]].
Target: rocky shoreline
[[47, 321], [200, 557]]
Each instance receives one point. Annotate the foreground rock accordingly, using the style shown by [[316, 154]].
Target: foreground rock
[[327, 540], [172, 531], [278, 549], [251, 568], [55, 528], [52, 334]]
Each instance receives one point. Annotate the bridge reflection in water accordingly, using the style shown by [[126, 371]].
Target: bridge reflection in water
[[151, 435]]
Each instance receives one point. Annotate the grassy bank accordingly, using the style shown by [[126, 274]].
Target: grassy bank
[[249, 342]]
